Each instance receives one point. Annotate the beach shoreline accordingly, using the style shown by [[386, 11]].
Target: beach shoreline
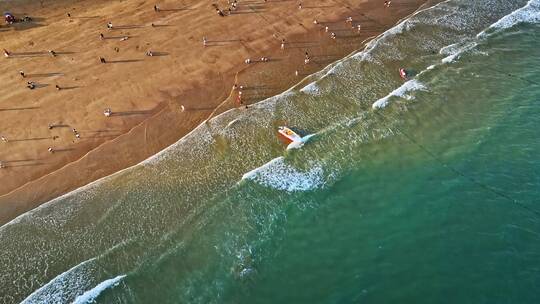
[[166, 122]]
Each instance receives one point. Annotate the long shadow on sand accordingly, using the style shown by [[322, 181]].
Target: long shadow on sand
[[124, 61]]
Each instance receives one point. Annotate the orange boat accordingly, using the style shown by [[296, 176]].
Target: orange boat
[[289, 136]]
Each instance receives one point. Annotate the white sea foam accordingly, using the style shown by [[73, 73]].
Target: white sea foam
[[63, 286], [411, 85], [530, 13], [454, 51], [279, 175], [312, 89], [90, 295]]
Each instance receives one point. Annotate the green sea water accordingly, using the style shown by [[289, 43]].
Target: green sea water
[[418, 191]]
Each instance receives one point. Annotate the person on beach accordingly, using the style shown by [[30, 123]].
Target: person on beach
[[219, 12], [387, 3], [264, 59], [101, 36], [282, 44], [348, 20], [315, 22], [296, 73], [69, 15], [326, 28], [358, 27], [31, 85], [2, 166], [109, 26], [307, 58], [4, 139], [247, 61], [333, 35], [23, 75], [156, 8], [50, 149], [50, 126], [116, 49], [204, 41], [239, 98], [6, 53], [107, 112], [102, 60], [58, 87], [149, 53], [300, 5], [124, 38], [53, 53]]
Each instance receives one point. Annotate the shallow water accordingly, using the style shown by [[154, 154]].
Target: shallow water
[[430, 196]]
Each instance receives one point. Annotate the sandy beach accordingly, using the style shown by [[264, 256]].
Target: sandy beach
[[154, 100]]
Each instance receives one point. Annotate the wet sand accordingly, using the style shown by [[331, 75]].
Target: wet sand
[[146, 94]]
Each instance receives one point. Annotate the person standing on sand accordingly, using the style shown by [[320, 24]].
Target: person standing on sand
[[109, 26], [50, 149], [4, 139], [102, 60], [204, 41], [333, 35], [58, 87], [283, 43], [156, 8], [107, 112], [23, 75], [300, 5], [101, 36], [53, 53], [6, 53], [358, 28]]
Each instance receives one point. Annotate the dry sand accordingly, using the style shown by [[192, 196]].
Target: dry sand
[[146, 93]]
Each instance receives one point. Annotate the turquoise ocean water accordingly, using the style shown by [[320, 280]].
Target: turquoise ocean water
[[424, 191]]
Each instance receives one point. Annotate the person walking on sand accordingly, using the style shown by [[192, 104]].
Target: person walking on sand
[[102, 60], [358, 28], [101, 36], [53, 53], [239, 98], [4, 139], [283, 44], [300, 5], [156, 8], [31, 85], [107, 112], [50, 149], [204, 41], [333, 35], [109, 26], [23, 75], [306, 58], [6, 53]]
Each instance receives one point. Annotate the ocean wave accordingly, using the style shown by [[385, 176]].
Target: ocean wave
[[64, 286], [402, 91], [530, 13], [454, 51], [312, 89], [90, 295], [279, 175]]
